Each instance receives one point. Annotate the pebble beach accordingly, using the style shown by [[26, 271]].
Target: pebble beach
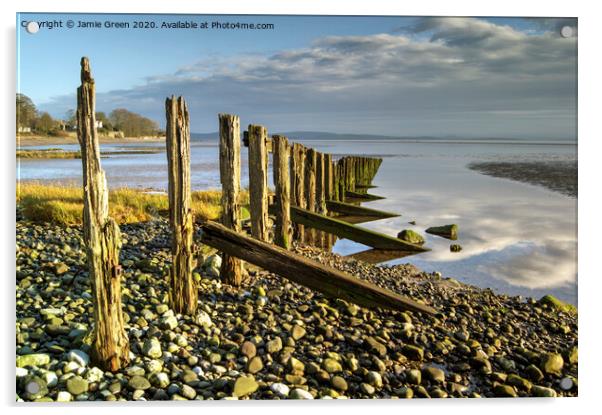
[[273, 339]]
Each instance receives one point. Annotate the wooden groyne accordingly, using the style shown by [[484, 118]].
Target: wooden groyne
[[309, 202]]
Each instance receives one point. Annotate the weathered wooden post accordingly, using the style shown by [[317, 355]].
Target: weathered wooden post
[[328, 178], [281, 151], [229, 169], [183, 291], [298, 185], [328, 195], [336, 181], [342, 178], [310, 189], [258, 181], [351, 174], [320, 195], [110, 347], [320, 183]]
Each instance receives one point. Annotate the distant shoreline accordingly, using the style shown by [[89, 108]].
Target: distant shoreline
[[27, 141]]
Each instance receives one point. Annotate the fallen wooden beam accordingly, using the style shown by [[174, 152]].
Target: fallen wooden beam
[[348, 231], [307, 272], [361, 196], [353, 219], [353, 210], [376, 256]]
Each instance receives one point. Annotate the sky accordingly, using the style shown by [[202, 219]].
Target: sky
[[398, 76]]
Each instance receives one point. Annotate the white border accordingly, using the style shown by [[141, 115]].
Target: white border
[[590, 153]]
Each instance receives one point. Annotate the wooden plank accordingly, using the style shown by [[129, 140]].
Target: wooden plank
[[229, 169], [283, 232], [349, 209], [183, 291], [258, 181], [110, 345], [298, 185], [299, 269], [361, 196], [352, 232]]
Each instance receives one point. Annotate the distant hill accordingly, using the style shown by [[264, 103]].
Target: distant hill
[[313, 135], [321, 135]]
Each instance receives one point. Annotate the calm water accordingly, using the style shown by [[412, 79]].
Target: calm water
[[516, 238]]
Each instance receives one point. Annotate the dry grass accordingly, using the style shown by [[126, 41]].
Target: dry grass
[[64, 204]]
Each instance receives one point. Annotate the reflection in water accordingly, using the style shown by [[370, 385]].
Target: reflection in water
[[516, 238]]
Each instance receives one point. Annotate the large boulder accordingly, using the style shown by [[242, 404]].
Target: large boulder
[[411, 236]]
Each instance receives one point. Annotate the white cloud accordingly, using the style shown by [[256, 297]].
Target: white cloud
[[474, 73]]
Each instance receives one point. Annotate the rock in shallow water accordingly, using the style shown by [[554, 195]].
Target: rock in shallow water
[[411, 236]]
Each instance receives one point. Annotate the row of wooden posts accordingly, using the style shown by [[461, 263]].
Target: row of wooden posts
[[305, 180]]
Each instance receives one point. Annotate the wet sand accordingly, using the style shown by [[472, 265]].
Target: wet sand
[[559, 176]]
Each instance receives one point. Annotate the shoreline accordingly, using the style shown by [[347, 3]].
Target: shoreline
[[291, 341], [29, 141]]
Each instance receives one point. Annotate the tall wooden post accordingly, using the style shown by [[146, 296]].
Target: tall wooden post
[[258, 181], [328, 195], [320, 183], [351, 174], [229, 170], [102, 237], [298, 185], [320, 195], [183, 291], [328, 178], [310, 189], [342, 178], [281, 151], [336, 181]]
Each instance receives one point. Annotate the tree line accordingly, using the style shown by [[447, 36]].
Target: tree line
[[120, 119]]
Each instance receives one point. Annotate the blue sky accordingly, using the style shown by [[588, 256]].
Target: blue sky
[[382, 75]]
